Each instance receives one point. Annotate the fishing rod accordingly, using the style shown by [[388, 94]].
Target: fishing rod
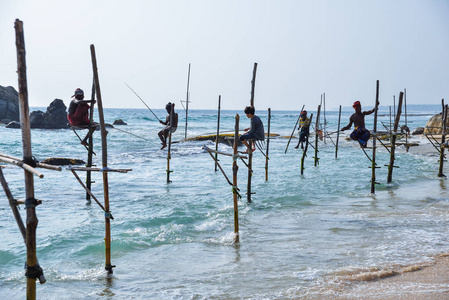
[[142, 101], [132, 134]]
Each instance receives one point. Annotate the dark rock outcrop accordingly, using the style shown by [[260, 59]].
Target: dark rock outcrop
[[418, 130], [54, 118], [9, 104], [58, 161], [119, 122]]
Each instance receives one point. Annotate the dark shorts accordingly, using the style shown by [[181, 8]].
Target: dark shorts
[[247, 136]]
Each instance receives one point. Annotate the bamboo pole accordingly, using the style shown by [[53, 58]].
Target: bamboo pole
[[393, 139], [293, 131], [23, 165], [235, 169], [250, 142], [91, 145], [406, 131], [169, 144], [304, 153], [324, 117], [443, 138], [373, 161], [38, 164], [218, 132], [316, 136], [338, 132], [104, 157], [31, 219], [268, 145], [187, 99]]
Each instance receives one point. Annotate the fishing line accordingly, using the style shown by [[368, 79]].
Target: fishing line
[[132, 134], [142, 101]]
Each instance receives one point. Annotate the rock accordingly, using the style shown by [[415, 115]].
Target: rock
[[418, 130], [9, 104], [119, 122], [13, 124], [54, 118], [58, 161], [433, 126]]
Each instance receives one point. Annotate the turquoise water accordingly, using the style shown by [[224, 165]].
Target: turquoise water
[[299, 237]]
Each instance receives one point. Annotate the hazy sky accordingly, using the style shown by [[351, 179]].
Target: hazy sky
[[303, 49]]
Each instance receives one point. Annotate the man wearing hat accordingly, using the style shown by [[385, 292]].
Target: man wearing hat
[[168, 126], [360, 133], [78, 113], [304, 123]]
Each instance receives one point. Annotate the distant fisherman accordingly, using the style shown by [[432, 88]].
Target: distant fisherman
[[304, 123], [78, 113], [256, 131], [168, 127], [360, 133]]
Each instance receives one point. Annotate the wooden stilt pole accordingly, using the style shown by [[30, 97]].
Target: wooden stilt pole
[[268, 145], [91, 145], [235, 169], [338, 131], [407, 147], [250, 143], [324, 117], [218, 132], [33, 270], [393, 139], [373, 161], [187, 100], [304, 153], [293, 131], [169, 144], [104, 157], [317, 124], [443, 138]]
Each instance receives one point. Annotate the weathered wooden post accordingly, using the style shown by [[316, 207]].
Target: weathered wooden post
[[235, 169], [250, 143], [443, 138], [104, 157], [187, 100], [373, 160], [33, 270], [393, 139], [407, 147], [268, 145], [293, 131], [304, 153], [324, 117], [169, 144], [218, 132], [91, 145], [338, 132], [317, 124]]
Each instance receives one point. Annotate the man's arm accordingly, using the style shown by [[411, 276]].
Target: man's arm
[[347, 126]]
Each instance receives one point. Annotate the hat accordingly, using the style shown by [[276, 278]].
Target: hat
[[78, 91], [304, 112], [356, 104]]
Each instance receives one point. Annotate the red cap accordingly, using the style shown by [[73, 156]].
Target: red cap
[[304, 112], [356, 104]]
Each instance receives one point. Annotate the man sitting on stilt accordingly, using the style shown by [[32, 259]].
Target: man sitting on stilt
[[78, 113], [360, 133], [255, 131], [163, 134]]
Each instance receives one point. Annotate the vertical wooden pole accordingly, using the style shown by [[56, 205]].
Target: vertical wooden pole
[[338, 131], [317, 124], [91, 145], [373, 160], [304, 153], [250, 143], [31, 219], [324, 116], [406, 130], [293, 132], [268, 145], [443, 138], [235, 169], [218, 133], [393, 139], [104, 157], [187, 100], [169, 144], [391, 123]]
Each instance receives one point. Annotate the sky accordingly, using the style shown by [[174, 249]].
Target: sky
[[303, 49]]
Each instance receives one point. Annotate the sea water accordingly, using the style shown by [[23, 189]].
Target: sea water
[[300, 236]]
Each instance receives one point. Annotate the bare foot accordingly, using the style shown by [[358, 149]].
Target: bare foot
[[84, 143], [163, 146]]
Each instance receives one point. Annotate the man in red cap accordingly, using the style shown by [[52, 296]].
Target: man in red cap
[[78, 113], [304, 123], [360, 133]]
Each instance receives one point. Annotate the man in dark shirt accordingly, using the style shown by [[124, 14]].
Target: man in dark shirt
[[168, 127], [360, 133], [78, 113], [255, 131]]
